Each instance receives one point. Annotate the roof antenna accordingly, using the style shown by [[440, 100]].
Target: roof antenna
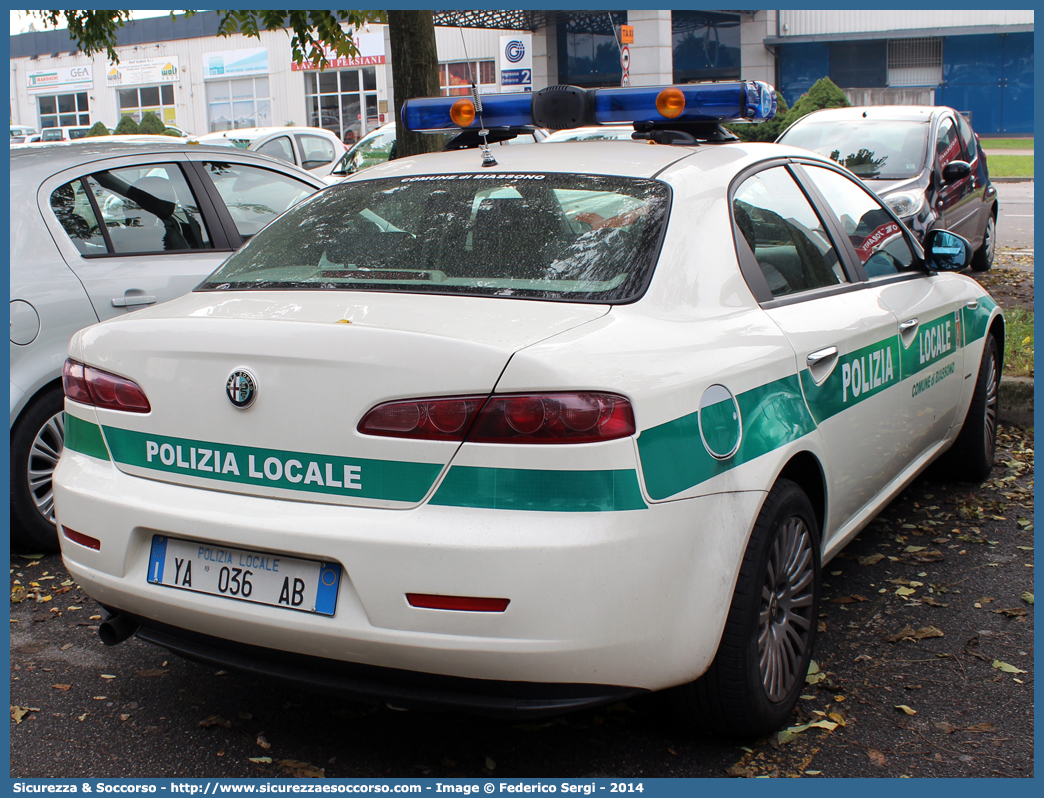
[[487, 156]]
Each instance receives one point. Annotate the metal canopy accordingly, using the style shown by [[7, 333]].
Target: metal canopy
[[504, 20]]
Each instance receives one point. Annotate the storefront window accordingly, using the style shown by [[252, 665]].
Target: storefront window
[[337, 100], [455, 78], [706, 46], [157, 99], [588, 51], [63, 110], [242, 102]]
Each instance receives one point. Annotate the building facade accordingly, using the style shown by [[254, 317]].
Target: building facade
[[980, 62]]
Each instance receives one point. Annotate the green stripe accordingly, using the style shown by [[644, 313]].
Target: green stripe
[[377, 479], [936, 340], [84, 437], [975, 321], [547, 491], [856, 377], [673, 455]]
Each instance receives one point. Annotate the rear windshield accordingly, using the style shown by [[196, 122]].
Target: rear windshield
[[870, 149], [557, 237]]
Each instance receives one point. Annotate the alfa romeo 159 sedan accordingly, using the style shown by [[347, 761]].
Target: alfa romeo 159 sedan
[[530, 432]]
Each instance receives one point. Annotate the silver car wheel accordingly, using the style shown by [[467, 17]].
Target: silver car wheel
[[989, 421], [43, 458], [989, 235], [785, 621]]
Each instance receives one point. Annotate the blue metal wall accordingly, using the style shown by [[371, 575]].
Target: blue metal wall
[[990, 77], [987, 76]]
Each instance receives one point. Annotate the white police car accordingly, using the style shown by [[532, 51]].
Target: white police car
[[532, 432]]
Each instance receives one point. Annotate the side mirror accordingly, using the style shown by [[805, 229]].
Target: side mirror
[[955, 170], [945, 251]]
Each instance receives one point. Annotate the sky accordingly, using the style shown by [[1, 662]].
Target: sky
[[19, 22]]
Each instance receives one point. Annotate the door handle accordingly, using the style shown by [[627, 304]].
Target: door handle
[[972, 304], [821, 356], [133, 301], [908, 325]]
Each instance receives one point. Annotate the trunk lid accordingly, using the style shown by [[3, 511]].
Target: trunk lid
[[320, 360]]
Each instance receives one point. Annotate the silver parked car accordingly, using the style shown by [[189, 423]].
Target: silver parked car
[[99, 229]]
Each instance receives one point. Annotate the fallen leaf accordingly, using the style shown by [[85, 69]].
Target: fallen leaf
[[784, 737], [301, 769], [928, 631], [871, 559], [876, 757], [906, 709], [261, 741], [62, 687], [260, 760], [83, 716], [1027, 597], [1004, 666], [737, 771], [1012, 612], [215, 720], [813, 772], [915, 549], [824, 724], [945, 728], [107, 676], [840, 721], [124, 717], [848, 599], [906, 632], [67, 646], [490, 764], [980, 728], [17, 713], [905, 591]]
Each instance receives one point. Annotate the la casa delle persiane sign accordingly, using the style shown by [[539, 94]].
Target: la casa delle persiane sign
[[340, 63]]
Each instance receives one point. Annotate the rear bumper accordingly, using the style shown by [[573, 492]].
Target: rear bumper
[[631, 599], [370, 684]]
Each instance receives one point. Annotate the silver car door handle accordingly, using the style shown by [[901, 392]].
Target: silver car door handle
[[972, 304], [908, 325], [821, 356], [133, 301]]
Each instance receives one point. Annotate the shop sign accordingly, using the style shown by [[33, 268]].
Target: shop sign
[[235, 63], [143, 71], [47, 81], [371, 53], [516, 62]]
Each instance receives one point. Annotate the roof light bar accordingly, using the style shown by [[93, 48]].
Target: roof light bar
[[559, 107]]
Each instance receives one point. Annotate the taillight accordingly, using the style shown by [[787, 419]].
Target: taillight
[[91, 386], [515, 418], [426, 419], [553, 418]]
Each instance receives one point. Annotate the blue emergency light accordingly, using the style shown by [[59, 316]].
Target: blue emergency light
[[560, 107]]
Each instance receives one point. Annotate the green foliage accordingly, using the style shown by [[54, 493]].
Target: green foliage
[[861, 163], [1018, 342], [764, 131], [127, 125], [95, 31], [151, 124], [823, 94], [1010, 165], [98, 129]]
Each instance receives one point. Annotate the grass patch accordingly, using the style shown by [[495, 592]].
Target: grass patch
[[1018, 342], [1006, 144], [1010, 165]]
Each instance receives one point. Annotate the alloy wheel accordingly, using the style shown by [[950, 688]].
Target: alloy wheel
[[785, 618], [43, 458]]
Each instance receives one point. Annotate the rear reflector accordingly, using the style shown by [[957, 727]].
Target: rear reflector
[[82, 539], [462, 603]]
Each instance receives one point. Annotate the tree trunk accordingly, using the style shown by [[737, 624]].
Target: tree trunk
[[415, 73]]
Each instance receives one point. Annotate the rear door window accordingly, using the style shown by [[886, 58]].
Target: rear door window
[[149, 209], [789, 242], [316, 151], [255, 196], [72, 206], [280, 148]]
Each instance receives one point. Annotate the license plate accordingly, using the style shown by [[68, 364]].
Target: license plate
[[259, 577]]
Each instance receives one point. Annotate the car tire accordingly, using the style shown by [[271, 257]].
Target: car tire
[[970, 459], [982, 260], [753, 684], [37, 440]]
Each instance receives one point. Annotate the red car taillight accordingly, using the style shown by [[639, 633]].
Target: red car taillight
[[425, 419], [91, 386], [516, 418], [553, 418]]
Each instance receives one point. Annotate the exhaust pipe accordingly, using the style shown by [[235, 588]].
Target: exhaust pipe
[[116, 628]]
